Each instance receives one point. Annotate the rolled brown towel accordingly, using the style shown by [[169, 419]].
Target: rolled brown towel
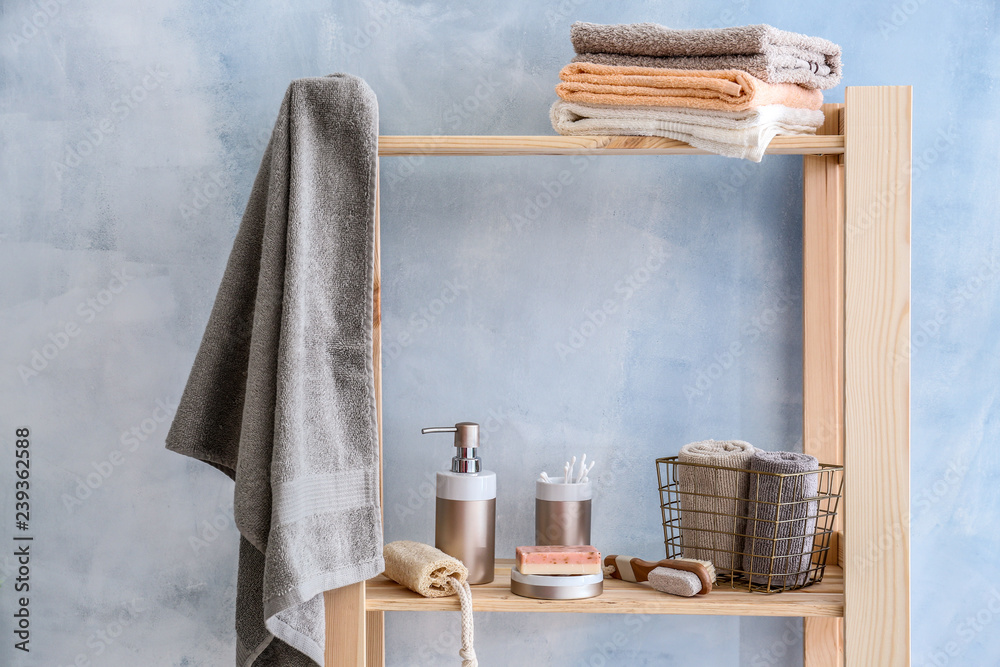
[[713, 501]]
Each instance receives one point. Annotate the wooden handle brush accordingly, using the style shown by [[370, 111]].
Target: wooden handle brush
[[674, 577]]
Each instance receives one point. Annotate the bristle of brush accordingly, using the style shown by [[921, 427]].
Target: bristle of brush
[[708, 566]]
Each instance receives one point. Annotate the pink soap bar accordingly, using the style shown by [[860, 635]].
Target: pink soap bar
[[558, 560]]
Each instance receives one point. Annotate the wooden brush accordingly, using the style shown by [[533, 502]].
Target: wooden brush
[[677, 576]]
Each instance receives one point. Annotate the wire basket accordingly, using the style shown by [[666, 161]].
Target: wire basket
[[764, 532]]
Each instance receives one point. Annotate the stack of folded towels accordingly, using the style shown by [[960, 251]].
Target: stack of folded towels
[[728, 91]]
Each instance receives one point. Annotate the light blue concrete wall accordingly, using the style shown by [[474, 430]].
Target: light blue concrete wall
[[129, 137]]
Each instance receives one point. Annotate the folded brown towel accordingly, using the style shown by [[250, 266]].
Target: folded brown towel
[[727, 90], [780, 542], [772, 55]]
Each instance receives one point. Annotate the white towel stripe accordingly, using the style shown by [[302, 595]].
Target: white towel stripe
[[296, 499]]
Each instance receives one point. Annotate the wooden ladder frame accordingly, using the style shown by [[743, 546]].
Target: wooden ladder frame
[[856, 322]]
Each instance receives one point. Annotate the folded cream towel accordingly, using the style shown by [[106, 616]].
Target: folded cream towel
[[741, 134], [781, 542], [713, 501], [772, 55], [433, 573], [728, 90]]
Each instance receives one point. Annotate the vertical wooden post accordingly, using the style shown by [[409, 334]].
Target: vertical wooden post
[[823, 349], [877, 370], [375, 620], [356, 637], [375, 636], [345, 626]]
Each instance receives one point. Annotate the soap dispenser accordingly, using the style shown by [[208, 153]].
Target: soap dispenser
[[465, 522]]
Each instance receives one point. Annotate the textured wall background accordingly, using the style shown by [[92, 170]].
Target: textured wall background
[[130, 135]]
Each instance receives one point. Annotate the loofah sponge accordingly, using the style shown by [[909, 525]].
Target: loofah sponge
[[422, 568]]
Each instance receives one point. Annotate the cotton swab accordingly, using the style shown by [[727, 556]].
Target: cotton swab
[[569, 474]]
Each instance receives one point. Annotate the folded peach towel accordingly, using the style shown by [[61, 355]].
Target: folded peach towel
[[725, 90], [772, 55]]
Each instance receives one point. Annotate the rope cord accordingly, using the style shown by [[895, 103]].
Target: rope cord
[[468, 651]]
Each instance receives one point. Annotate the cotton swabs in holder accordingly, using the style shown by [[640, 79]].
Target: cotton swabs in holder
[[569, 476]]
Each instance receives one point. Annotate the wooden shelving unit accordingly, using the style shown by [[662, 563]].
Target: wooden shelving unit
[[825, 599], [856, 297], [513, 145]]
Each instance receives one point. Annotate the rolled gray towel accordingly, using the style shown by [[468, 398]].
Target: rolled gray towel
[[713, 502], [772, 55], [780, 543]]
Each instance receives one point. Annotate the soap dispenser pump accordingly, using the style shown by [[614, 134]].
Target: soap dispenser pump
[[465, 521]]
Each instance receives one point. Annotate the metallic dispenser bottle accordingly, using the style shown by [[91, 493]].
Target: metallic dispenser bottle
[[465, 524]]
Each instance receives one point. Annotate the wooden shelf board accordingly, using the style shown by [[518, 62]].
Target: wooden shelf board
[[823, 599], [393, 145]]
